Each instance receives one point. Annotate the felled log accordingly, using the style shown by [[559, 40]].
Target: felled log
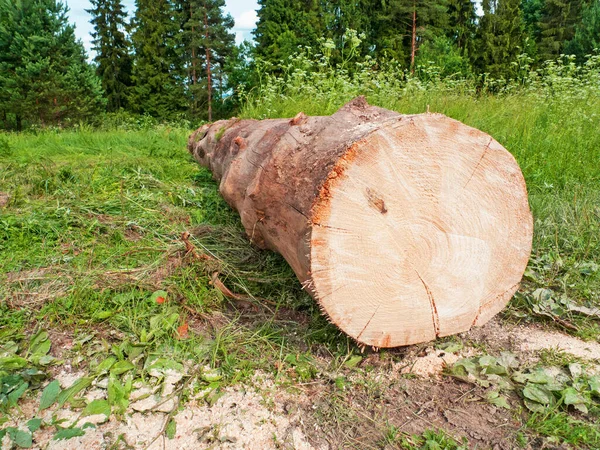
[[403, 227]]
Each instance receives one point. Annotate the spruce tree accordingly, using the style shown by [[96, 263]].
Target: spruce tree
[[44, 76], [402, 25], [500, 37], [112, 50], [283, 25], [587, 34], [209, 43], [461, 24], [159, 87], [558, 23]]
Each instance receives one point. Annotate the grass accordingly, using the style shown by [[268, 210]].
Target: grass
[[92, 231]]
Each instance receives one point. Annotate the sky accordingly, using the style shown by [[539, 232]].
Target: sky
[[242, 11]]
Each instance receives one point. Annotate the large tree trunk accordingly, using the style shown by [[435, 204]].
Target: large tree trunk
[[403, 228]]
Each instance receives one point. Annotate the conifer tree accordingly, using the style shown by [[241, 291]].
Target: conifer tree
[[159, 87], [587, 34], [461, 23], [283, 25], [209, 43], [500, 37], [402, 25], [112, 50], [558, 24], [44, 75]]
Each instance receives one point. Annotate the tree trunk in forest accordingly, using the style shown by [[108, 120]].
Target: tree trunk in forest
[[194, 76], [403, 227], [414, 39], [208, 73]]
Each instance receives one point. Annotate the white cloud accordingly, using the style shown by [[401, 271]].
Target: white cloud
[[246, 21]]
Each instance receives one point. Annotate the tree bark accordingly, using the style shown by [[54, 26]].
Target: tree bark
[[414, 39], [208, 72], [403, 227]]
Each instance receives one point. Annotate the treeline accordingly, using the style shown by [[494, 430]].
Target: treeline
[[446, 32], [177, 58]]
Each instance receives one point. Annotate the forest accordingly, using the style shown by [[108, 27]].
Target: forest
[[177, 59]]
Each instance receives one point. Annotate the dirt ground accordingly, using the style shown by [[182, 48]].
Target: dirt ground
[[408, 396]]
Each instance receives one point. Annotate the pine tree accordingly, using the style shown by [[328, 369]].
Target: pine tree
[[402, 25], [500, 37], [44, 75], [461, 24], [558, 24], [159, 87], [112, 50], [209, 43], [587, 34], [283, 25]]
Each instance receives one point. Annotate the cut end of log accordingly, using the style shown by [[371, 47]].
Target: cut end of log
[[403, 228], [422, 229]]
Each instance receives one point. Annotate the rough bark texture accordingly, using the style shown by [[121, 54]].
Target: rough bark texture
[[403, 228]]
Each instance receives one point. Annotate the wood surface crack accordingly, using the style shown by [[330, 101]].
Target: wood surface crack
[[368, 322], [516, 285], [487, 147], [297, 210], [434, 313]]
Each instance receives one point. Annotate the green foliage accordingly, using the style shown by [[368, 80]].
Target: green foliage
[[157, 71], [209, 43], [283, 25], [44, 76], [587, 34], [112, 47], [558, 22], [540, 387], [500, 37], [22, 368], [429, 440]]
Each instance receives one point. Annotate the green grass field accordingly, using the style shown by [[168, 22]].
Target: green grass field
[[91, 236]]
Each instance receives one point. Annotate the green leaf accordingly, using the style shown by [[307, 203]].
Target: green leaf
[[73, 390], [211, 375], [15, 395], [21, 438], [353, 361], [101, 315], [534, 406], [96, 407], [34, 424], [121, 367], [572, 397], [171, 429], [118, 395], [46, 359], [496, 399], [451, 347], [508, 360], [464, 367], [68, 433], [49, 395], [40, 345], [539, 394], [160, 366], [106, 364], [12, 363]]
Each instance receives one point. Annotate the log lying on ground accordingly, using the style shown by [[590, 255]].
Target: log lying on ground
[[403, 227]]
